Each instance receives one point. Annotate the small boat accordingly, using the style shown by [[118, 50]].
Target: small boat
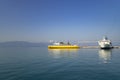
[[105, 43], [61, 45]]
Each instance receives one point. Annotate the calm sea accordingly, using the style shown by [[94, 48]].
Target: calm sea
[[39, 63]]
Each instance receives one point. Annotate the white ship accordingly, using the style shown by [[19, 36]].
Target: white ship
[[105, 43]]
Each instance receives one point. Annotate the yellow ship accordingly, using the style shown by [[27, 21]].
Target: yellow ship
[[61, 45]]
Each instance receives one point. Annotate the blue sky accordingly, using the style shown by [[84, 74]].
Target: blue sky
[[73, 20]]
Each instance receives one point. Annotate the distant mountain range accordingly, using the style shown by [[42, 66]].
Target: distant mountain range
[[41, 44], [22, 44]]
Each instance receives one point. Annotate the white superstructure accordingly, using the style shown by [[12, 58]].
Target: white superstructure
[[105, 43]]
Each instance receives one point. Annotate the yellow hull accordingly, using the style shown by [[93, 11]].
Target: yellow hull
[[63, 47]]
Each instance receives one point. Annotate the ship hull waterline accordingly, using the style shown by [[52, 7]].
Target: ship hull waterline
[[106, 47], [63, 47]]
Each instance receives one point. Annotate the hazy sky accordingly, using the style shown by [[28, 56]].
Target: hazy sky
[[44, 20]]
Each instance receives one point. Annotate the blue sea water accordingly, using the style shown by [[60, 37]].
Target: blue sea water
[[39, 63]]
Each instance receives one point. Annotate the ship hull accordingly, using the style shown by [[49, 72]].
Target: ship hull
[[63, 47], [105, 45]]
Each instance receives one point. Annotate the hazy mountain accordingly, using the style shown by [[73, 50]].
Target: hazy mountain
[[41, 44], [22, 44]]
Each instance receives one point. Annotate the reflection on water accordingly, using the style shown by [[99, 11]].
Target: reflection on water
[[57, 53], [105, 55]]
